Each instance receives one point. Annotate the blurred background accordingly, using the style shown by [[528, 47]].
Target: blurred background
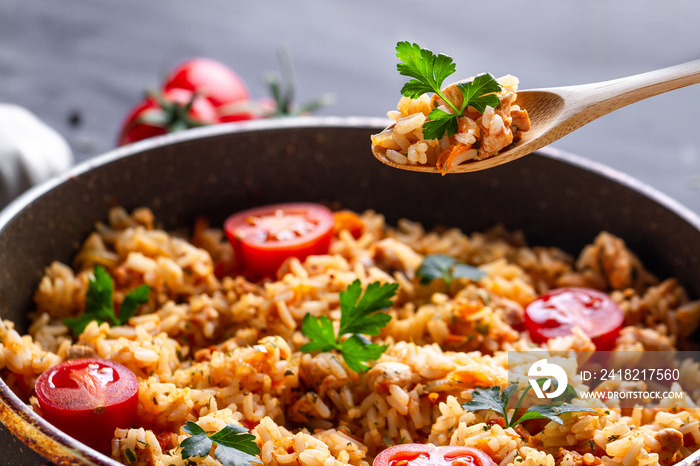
[[81, 65]]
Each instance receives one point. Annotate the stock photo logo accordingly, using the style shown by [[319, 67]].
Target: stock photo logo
[[543, 369]]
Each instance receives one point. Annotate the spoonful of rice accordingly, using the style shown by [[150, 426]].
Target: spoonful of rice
[[483, 122]]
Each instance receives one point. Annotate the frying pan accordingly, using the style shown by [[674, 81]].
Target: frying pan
[[556, 199]]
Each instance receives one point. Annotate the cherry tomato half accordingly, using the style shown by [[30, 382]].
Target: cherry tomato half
[[556, 313], [88, 398], [416, 454], [209, 78], [264, 237], [162, 113]]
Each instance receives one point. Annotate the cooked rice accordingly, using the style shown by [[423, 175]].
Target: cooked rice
[[479, 135], [219, 351]]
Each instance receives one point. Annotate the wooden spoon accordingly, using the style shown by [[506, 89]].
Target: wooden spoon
[[557, 111]]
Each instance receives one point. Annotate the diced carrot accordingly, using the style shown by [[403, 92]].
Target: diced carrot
[[452, 338], [467, 309], [444, 161], [347, 220]]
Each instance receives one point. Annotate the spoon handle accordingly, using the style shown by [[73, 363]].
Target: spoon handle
[[591, 101]]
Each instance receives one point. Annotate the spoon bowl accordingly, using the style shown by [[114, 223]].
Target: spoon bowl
[[557, 111]]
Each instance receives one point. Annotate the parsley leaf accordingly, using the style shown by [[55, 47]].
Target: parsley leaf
[[321, 333], [480, 92], [493, 399], [552, 411], [357, 349], [132, 301], [359, 316], [99, 304], [429, 71], [568, 395], [489, 399], [440, 123], [234, 446], [448, 268]]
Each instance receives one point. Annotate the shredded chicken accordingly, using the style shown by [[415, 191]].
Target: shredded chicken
[[384, 374]]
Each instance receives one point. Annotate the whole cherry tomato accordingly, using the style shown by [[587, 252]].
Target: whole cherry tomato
[[264, 237], [417, 454], [209, 78], [88, 399], [173, 110], [556, 313]]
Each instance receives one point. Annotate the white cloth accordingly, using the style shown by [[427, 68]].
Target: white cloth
[[30, 152]]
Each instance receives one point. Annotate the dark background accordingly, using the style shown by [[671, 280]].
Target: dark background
[[80, 65]]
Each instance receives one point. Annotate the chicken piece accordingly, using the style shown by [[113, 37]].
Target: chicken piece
[[520, 119], [574, 458], [388, 373], [391, 255], [323, 372], [79, 351], [631, 338], [671, 441], [609, 259]]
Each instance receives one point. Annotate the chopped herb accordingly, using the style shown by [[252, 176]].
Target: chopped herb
[[429, 71], [448, 268], [493, 399], [483, 328], [359, 316], [613, 438], [99, 305], [234, 446], [130, 455]]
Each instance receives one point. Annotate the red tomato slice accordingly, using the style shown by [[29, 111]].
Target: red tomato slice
[[556, 313], [88, 399], [264, 237], [416, 454], [209, 78]]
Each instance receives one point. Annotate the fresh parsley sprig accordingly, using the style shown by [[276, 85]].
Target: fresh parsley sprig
[[435, 266], [493, 399], [429, 72], [99, 304], [234, 446], [359, 316]]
